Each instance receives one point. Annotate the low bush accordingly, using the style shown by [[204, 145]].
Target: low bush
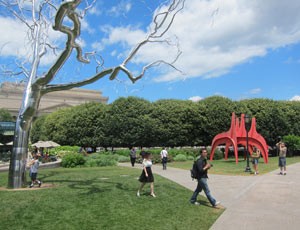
[[190, 158], [180, 157], [218, 154], [123, 159], [72, 160], [101, 160]]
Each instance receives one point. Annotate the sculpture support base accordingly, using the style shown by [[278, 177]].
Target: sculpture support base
[[248, 169]]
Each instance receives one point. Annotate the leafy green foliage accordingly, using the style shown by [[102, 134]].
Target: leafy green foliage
[[137, 122], [100, 160], [180, 157], [5, 115], [72, 160]]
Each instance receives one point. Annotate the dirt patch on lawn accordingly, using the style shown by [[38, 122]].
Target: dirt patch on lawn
[[36, 187]]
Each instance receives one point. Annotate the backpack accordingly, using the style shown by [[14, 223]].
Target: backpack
[[194, 171]]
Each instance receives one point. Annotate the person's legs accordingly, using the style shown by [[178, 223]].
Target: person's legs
[[131, 160], [141, 188], [33, 179], [196, 192], [152, 189], [281, 165], [204, 185]]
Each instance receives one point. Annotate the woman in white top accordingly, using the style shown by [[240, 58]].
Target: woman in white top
[[147, 176]]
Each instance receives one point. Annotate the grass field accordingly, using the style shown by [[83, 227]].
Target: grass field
[[101, 198], [229, 167]]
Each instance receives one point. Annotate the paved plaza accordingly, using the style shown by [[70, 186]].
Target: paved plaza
[[268, 201]]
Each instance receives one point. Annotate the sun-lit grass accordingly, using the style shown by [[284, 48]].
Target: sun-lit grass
[[229, 167], [101, 198]]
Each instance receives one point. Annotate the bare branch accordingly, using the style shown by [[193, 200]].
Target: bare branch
[[67, 9], [58, 87], [89, 6], [16, 14], [174, 8]]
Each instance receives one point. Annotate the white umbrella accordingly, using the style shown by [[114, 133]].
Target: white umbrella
[[53, 144], [1, 144], [9, 143], [45, 144]]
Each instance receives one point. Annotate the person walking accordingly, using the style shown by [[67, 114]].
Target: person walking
[[146, 176], [282, 157], [203, 166], [164, 158], [255, 156], [132, 156], [34, 166]]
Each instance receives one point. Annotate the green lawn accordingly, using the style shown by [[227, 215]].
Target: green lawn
[[102, 198], [229, 167]]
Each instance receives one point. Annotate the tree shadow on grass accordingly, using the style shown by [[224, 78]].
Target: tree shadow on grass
[[89, 186]]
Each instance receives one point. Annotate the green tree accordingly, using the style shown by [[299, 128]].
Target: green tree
[[173, 122], [129, 123], [38, 132], [271, 117], [81, 125], [5, 115], [217, 111]]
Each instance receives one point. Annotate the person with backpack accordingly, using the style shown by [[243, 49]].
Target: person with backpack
[[202, 167]]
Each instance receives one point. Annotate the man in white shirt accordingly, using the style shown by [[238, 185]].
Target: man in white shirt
[[164, 158]]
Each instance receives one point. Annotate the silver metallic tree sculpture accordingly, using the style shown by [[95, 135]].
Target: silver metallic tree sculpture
[[38, 85]]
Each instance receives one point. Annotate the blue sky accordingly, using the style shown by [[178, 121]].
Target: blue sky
[[235, 48]]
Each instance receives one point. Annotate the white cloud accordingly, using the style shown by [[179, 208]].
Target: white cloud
[[216, 35], [14, 41], [295, 98], [255, 91], [195, 98], [97, 46], [85, 26], [121, 9]]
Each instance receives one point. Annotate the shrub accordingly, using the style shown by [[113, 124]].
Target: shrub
[[180, 157], [218, 154], [293, 143], [190, 158], [60, 151], [123, 159], [123, 152], [102, 160], [72, 160]]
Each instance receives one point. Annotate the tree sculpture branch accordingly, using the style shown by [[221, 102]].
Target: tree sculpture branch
[[68, 10]]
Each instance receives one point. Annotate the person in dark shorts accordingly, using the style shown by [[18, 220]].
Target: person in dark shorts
[[282, 157], [147, 175], [255, 156], [34, 166]]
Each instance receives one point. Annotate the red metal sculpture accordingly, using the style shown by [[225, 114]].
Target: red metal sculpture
[[236, 135]]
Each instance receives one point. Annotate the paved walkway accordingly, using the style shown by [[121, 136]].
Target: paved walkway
[[269, 201]]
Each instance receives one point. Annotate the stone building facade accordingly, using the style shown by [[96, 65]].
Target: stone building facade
[[11, 97]]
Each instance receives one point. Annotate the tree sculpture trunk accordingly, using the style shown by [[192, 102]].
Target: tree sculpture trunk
[[17, 168]]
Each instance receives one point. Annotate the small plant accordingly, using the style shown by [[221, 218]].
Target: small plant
[[123, 159], [190, 158], [102, 160], [180, 157], [72, 160]]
